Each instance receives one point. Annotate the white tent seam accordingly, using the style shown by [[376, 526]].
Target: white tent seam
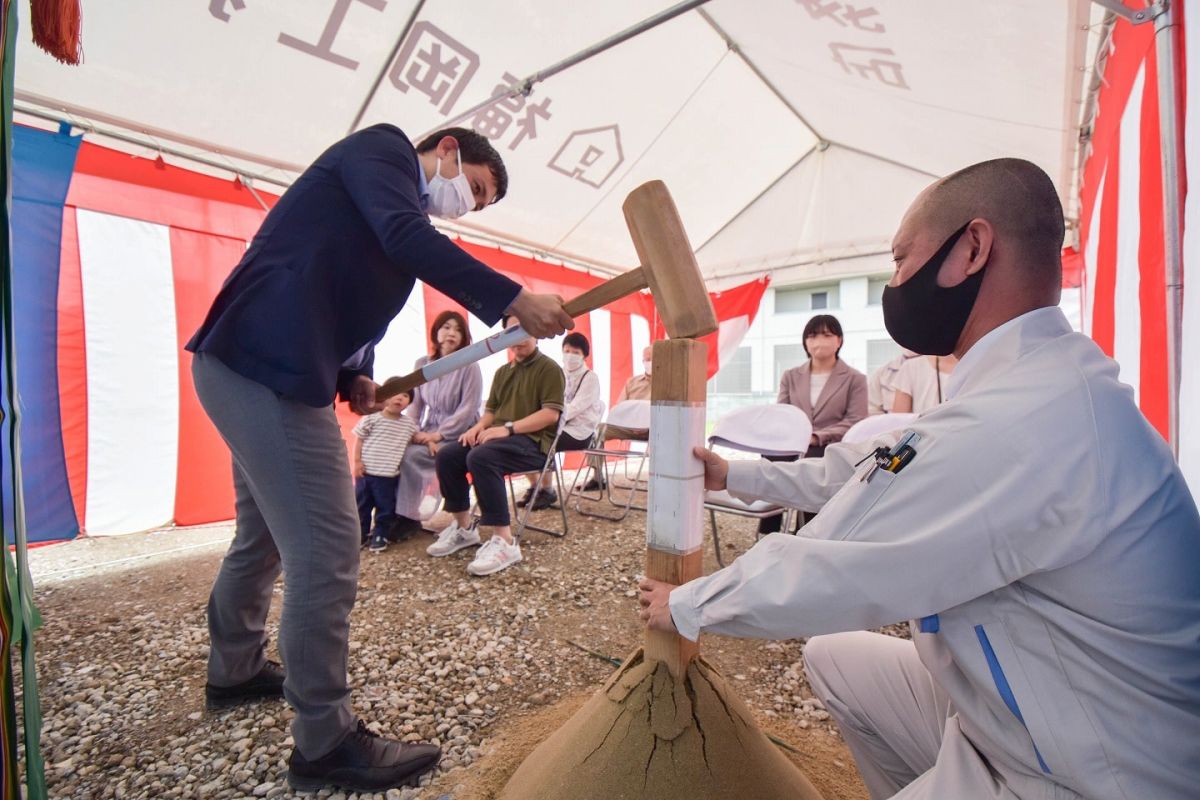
[[885, 159], [649, 146], [525, 86], [370, 98], [788, 171], [146, 130], [771, 267], [150, 144], [735, 47]]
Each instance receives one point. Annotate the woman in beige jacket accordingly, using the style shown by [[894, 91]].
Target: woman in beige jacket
[[832, 393]]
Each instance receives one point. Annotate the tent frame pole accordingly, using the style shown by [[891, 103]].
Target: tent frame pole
[[150, 144], [370, 98], [1162, 14], [1166, 37], [525, 87]]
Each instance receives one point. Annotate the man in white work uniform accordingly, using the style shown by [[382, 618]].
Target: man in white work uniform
[[1034, 528]]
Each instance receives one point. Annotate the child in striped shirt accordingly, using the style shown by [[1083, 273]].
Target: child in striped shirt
[[382, 439]]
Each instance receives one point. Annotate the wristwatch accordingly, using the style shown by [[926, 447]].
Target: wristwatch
[[508, 426]]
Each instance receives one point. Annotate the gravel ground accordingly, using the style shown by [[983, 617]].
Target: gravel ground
[[434, 655]]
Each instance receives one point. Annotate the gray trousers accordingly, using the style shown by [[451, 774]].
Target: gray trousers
[[295, 509], [900, 724], [416, 471]]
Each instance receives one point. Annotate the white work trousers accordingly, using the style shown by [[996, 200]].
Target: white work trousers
[[898, 723]]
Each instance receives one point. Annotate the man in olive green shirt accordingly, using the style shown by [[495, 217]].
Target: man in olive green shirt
[[520, 420]]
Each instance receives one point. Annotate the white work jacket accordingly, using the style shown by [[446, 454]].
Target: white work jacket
[[1045, 548]]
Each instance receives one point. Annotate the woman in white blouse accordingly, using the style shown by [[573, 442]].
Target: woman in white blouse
[[582, 410], [920, 383]]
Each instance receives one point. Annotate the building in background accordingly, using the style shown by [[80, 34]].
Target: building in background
[[774, 342]]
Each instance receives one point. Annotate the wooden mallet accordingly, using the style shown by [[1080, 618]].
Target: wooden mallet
[[678, 291], [675, 516], [666, 724]]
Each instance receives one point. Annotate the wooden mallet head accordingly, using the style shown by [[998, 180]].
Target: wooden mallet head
[[669, 264]]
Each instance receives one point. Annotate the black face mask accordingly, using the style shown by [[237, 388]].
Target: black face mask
[[927, 318]]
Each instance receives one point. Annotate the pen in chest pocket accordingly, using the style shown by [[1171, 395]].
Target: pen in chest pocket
[[895, 459]]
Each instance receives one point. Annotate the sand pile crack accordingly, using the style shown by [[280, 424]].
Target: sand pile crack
[[646, 734]]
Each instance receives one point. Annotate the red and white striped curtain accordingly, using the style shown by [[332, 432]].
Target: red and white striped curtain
[[1121, 229], [1189, 394], [1121, 223], [145, 247]]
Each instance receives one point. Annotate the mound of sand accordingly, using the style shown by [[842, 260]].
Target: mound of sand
[[647, 735]]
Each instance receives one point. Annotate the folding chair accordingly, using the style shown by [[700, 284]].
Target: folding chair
[[633, 414], [774, 430], [725, 503], [523, 523]]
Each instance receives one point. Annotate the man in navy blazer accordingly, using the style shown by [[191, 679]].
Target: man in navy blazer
[[296, 323]]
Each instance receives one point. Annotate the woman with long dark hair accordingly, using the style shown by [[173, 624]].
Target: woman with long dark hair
[[444, 408]]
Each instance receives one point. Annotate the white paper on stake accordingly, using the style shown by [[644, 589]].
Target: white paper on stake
[[675, 522], [473, 352]]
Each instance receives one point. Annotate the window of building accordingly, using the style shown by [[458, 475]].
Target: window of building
[[875, 291], [802, 299], [734, 375], [786, 357], [879, 352]]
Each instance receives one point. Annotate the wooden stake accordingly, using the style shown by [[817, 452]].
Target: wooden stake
[[675, 520]]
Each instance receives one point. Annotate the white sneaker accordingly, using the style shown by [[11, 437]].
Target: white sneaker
[[453, 539], [494, 556]]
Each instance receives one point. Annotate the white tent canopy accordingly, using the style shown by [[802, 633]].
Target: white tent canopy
[[792, 133]]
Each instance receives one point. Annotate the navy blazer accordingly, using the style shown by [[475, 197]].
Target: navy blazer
[[332, 265]]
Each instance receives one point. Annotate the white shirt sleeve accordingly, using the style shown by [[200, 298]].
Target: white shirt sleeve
[[807, 484], [971, 513]]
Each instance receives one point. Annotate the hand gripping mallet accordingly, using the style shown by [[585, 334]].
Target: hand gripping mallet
[[680, 297]]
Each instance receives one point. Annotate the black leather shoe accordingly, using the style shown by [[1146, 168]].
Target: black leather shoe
[[594, 485], [267, 684], [364, 762], [524, 501]]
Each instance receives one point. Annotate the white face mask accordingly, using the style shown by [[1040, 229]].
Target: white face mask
[[646, 366], [572, 361], [450, 198]]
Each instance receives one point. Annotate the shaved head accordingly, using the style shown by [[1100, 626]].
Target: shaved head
[[998, 223], [1017, 197]]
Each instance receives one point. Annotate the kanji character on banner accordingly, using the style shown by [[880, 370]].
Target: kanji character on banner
[[495, 120], [843, 14], [883, 70], [435, 64]]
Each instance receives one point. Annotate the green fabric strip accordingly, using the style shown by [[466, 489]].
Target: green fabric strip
[[27, 620]]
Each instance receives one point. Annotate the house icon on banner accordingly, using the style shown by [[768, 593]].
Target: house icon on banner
[[590, 155]]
